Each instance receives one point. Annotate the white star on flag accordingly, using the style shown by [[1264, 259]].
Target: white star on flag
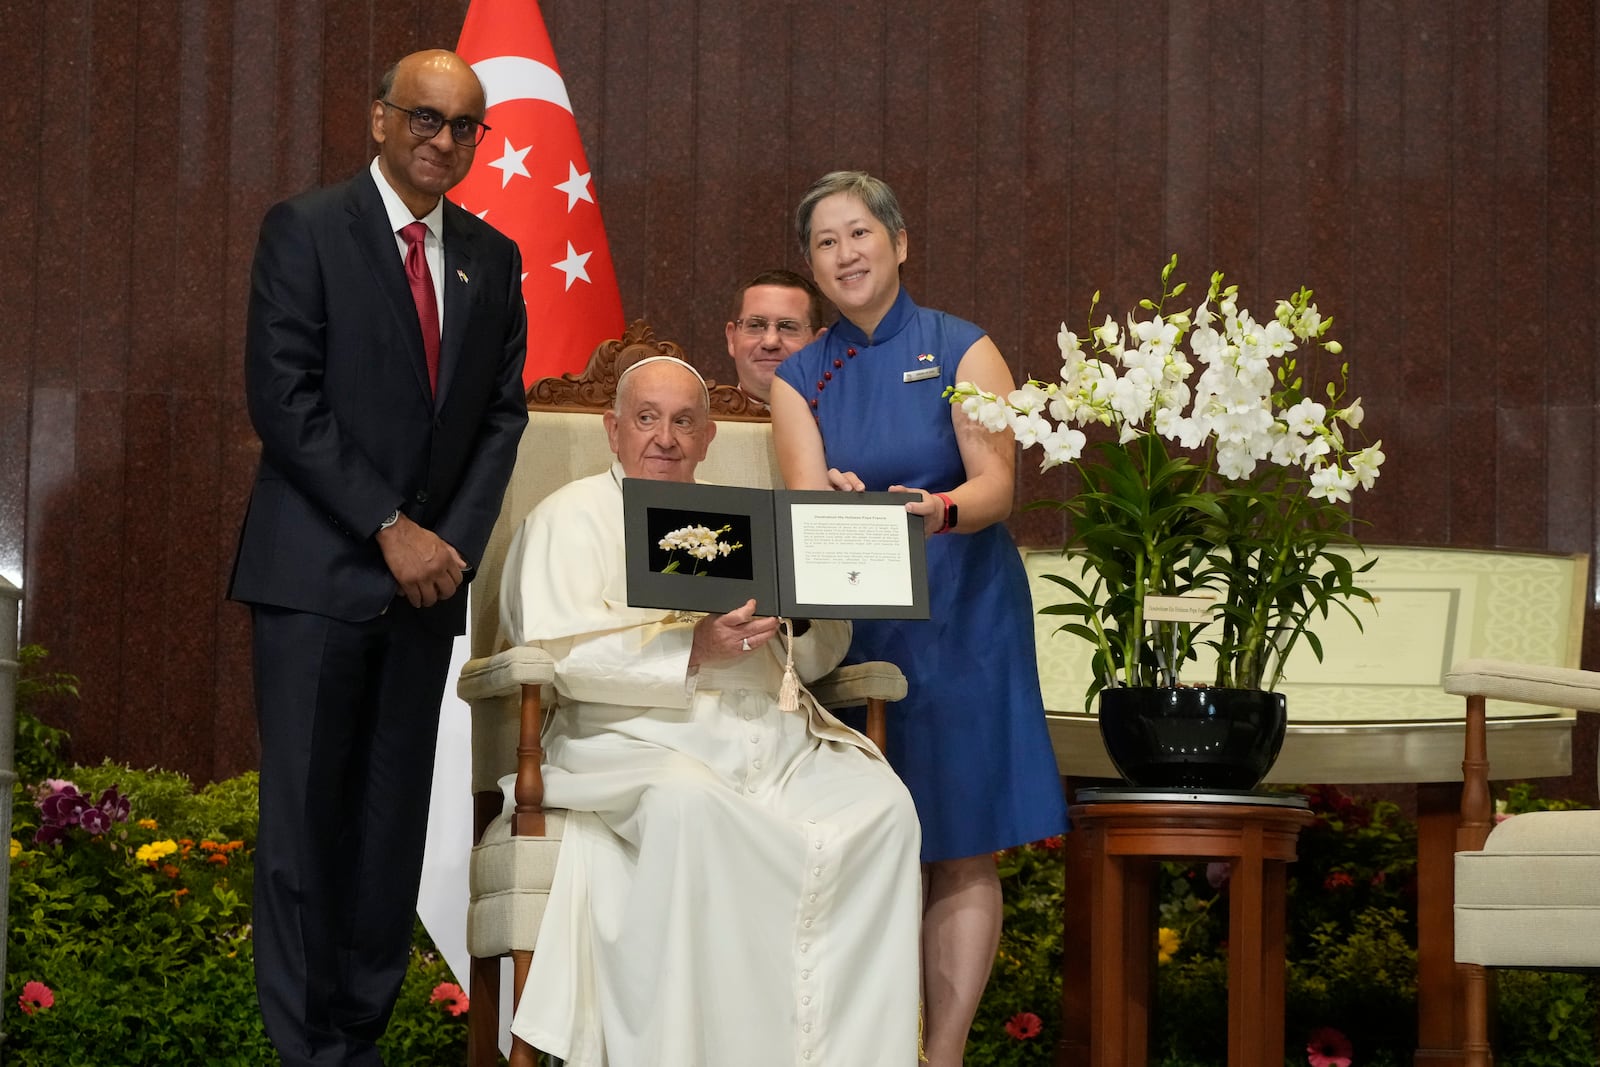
[[576, 187], [573, 265], [552, 214], [511, 163]]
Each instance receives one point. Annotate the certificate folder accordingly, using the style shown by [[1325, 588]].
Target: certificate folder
[[799, 553]]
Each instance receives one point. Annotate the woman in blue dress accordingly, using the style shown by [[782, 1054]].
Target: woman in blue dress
[[862, 408]]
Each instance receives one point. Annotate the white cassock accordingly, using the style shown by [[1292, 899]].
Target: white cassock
[[738, 886]]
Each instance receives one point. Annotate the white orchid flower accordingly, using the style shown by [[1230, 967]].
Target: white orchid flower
[[1305, 418], [1331, 483], [1365, 463], [1109, 336]]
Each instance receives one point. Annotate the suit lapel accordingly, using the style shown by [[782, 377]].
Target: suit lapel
[[369, 229], [459, 283]]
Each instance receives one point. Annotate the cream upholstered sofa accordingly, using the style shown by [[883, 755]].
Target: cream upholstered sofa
[[1527, 892], [514, 856]]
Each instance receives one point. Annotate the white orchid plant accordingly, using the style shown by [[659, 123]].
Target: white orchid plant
[[1230, 485]]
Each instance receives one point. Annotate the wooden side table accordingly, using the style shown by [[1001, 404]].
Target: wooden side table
[[1118, 837]]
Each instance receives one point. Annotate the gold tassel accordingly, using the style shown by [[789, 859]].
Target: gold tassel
[[789, 691]]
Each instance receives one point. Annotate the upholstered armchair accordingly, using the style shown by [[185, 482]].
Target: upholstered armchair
[[514, 854], [1527, 892]]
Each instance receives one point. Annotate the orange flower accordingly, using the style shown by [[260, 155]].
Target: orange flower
[[35, 997], [450, 997]]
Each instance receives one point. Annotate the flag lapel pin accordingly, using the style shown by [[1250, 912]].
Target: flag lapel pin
[[462, 275], [926, 357]]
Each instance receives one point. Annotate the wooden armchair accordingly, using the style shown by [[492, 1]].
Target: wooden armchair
[[514, 854], [1527, 892]]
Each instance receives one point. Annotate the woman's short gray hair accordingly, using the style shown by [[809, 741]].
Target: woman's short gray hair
[[873, 192]]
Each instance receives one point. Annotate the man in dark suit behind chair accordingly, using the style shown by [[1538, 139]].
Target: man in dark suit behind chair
[[384, 457]]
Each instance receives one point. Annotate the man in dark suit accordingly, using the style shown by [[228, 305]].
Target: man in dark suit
[[383, 372]]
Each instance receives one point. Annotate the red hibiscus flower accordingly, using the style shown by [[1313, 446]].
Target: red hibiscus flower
[[1024, 1025], [450, 997], [1327, 1047], [36, 996]]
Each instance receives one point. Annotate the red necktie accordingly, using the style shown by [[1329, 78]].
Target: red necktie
[[421, 280]]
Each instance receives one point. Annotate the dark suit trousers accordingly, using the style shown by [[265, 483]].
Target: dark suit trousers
[[348, 715]]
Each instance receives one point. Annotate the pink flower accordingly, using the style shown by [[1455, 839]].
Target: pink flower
[[1327, 1047], [450, 996], [36, 996], [1338, 880], [1024, 1025], [1217, 874]]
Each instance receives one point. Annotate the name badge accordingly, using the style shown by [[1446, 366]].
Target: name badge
[[920, 375]]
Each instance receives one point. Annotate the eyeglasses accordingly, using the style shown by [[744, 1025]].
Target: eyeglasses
[[756, 326], [426, 124]]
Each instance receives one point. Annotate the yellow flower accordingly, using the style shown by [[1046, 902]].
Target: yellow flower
[[1167, 944], [153, 852], [148, 824], [16, 848]]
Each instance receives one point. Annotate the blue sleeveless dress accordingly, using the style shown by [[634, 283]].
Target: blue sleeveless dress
[[969, 739]]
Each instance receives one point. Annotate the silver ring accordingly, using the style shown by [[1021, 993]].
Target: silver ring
[[744, 643]]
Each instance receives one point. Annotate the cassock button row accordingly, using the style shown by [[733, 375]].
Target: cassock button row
[[816, 870], [812, 899], [805, 1000], [806, 1028], [816, 845], [805, 946], [808, 924], [805, 974], [756, 764]]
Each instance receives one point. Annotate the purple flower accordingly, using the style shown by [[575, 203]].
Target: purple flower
[[64, 807], [114, 804], [95, 821], [49, 834], [1217, 874]]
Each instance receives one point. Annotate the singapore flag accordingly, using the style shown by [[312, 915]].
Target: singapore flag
[[531, 181]]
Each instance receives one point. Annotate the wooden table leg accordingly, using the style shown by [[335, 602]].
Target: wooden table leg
[[1139, 952], [1440, 1030], [1274, 927], [1077, 919], [1246, 952], [1109, 1036]]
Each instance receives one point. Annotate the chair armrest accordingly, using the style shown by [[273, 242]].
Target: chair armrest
[[1526, 683], [505, 673], [854, 685]]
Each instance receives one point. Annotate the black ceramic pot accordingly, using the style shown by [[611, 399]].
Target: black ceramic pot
[[1198, 738]]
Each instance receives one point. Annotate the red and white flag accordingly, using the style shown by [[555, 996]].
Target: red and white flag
[[531, 181]]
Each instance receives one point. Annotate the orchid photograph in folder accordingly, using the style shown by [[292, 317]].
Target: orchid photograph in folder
[[702, 545], [1223, 474]]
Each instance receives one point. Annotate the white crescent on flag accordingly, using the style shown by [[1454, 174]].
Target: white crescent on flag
[[520, 78]]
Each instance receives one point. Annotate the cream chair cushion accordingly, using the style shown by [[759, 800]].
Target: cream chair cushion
[[510, 885], [1531, 898]]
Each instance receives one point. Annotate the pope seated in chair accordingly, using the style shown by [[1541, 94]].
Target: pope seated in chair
[[738, 884]]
